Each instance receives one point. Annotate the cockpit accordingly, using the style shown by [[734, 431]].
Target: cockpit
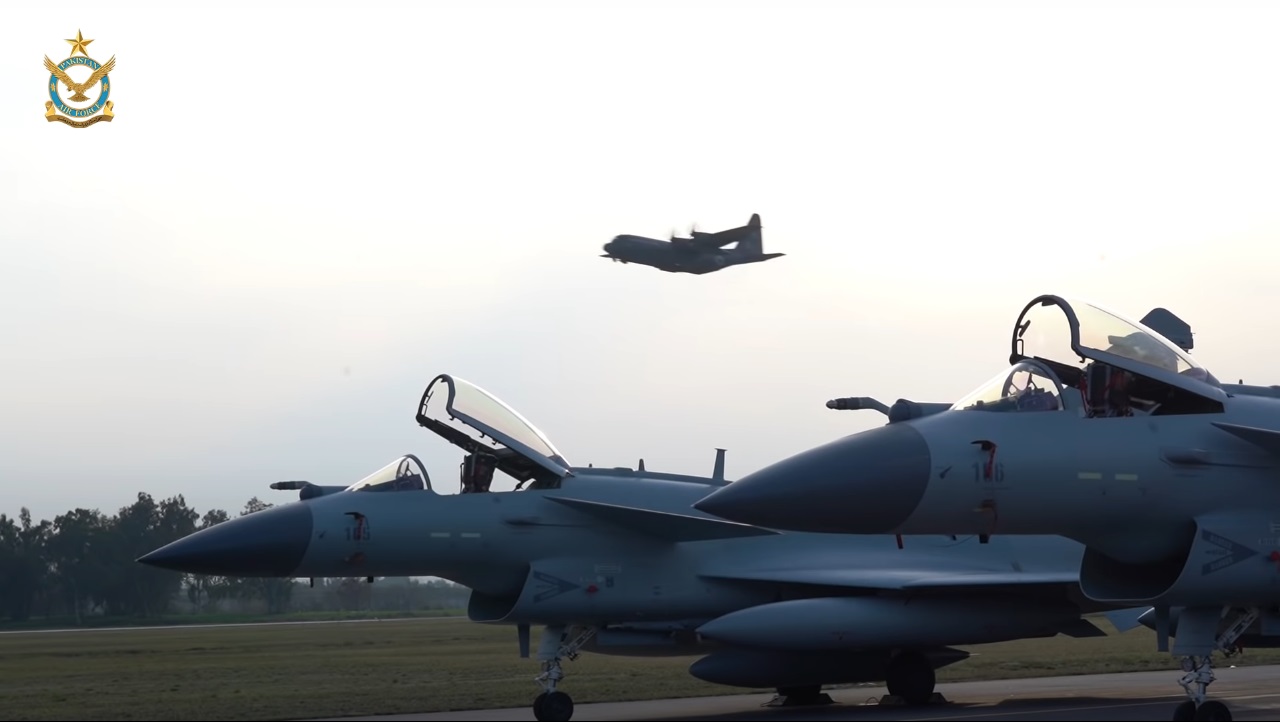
[[1027, 386], [495, 437], [1121, 367], [404, 474], [1076, 332]]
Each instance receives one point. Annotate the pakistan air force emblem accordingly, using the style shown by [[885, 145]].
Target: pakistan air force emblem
[[101, 108]]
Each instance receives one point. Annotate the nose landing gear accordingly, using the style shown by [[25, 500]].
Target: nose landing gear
[[1199, 669], [553, 705]]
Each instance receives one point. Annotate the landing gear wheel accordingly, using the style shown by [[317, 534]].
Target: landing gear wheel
[[1185, 712], [810, 695], [553, 707], [1213, 711], [911, 677]]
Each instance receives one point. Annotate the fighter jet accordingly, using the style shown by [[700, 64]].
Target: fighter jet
[[1101, 430], [615, 561], [698, 254]]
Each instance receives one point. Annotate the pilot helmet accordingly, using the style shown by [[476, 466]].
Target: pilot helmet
[[1197, 373], [1141, 347]]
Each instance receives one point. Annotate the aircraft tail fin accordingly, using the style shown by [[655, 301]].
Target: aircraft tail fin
[[752, 239], [717, 472], [662, 524], [1163, 322]]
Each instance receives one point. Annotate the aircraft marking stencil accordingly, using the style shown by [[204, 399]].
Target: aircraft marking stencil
[[1229, 552], [550, 587], [988, 472], [606, 572], [359, 531]]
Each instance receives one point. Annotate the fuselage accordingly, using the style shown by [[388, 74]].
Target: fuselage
[[529, 558], [1128, 486], [665, 256], [679, 258], [1168, 506]]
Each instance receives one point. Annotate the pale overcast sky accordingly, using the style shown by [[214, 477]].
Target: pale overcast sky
[[303, 212]]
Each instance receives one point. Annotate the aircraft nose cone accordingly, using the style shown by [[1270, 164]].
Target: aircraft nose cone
[[867, 483], [268, 543]]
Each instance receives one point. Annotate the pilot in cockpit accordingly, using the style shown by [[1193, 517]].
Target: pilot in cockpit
[[1141, 347], [1036, 399]]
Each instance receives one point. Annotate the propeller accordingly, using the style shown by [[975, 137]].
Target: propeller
[[693, 228]]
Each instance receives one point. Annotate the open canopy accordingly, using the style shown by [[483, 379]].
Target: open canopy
[[1067, 334], [469, 417], [1059, 343]]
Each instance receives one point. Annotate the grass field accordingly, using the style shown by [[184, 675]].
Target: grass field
[[107, 622], [412, 665]]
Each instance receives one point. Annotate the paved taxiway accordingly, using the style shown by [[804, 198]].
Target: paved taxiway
[[1253, 693]]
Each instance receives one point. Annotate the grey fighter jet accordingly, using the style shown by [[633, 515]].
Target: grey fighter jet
[[698, 254], [1101, 430], [615, 561]]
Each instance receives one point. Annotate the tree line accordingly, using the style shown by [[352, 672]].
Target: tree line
[[81, 564]]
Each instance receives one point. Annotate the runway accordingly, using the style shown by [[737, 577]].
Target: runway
[[1252, 693]]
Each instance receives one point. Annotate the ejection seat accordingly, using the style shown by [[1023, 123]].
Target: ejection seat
[[1106, 391], [477, 472]]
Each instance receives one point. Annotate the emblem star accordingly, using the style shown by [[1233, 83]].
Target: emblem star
[[78, 45]]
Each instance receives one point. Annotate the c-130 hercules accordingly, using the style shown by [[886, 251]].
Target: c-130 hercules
[[698, 254], [1102, 431], [616, 561]]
